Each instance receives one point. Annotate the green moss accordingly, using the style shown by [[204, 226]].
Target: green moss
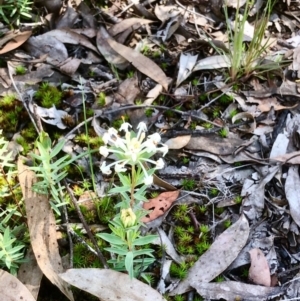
[[101, 99], [188, 184], [8, 101], [26, 147], [178, 271], [48, 95], [223, 133], [20, 70]]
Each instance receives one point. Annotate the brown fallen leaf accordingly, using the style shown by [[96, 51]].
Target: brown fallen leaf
[[110, 285], [11, 289], [178, 142], [218, 257], [126, 24], [13, 40], [140, 62], [265, 105], [159, 205], [233, 290], [42, 230], [259, 272], [30, 274]]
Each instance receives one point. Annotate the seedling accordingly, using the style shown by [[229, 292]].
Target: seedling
[[101, 99], [223, 133], [238, 199], [130, 74], [20, 70], [188, 184]]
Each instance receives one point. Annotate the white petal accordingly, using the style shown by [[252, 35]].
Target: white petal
[[164, 149], [106, 138], [105, 169], [148, 180], [155, 138], [160, 163], [120, 168], [125, 127], [142, 127], [112, 132], [104, 151]]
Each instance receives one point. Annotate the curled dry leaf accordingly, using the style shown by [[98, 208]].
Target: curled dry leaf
[[11, 289], [159, 205], [218, 257], [259, 272], [109, 285]]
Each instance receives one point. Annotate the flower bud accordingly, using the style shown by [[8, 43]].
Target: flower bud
[[128, 217]]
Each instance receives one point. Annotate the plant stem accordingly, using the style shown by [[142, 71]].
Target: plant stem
[[132, 186]]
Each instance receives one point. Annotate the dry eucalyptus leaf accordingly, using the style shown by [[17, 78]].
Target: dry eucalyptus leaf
[[178, 142], [11, 289], [42, 230], [266, 104], [13, 40], [291, 158], [218, 257], [109, 285], [110, 54], [159, 205], [40, 45], [234, 291], [140, 62], [215, 144], [186, 65], [259, 272], [30, 274], [292, 192], [70, 37], [126, 24], [213, 62]]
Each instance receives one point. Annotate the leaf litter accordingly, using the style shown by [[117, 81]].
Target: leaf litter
[[233, 142]]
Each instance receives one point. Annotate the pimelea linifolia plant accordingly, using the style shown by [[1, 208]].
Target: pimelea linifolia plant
[[135, 168]]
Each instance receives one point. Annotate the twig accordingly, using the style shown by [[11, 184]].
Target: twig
[[86, 227]]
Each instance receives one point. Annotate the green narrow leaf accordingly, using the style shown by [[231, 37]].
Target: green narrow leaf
[[111, 238], [129, 264]]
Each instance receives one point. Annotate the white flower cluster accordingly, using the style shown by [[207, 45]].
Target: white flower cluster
[[132, 150]]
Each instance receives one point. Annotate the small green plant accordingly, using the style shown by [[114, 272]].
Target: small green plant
[[130, 74], [204, 229], [238, 199], [149, 112], [202, 246], [207, 125], [11, 248], [195, 82], [244, 59], [8, 101], [214, 192], [101, 99], [48, 95], [126, 240], [227, 223], [219, 279], [51, 171], [12, 11], [178, 271], [179, 298], [233, 113], [188, 184], [20, 70], [185, 160], [223, 133]]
